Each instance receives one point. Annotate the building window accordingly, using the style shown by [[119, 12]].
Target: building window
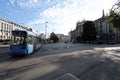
[[5, 24], [2, 25]]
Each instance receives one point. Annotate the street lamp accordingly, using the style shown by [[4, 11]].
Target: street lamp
[[46, 29]]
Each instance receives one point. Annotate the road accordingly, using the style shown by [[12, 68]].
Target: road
[[62, 61]]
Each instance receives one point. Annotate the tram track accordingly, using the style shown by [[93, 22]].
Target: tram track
[[10, 61], [4, 56], [46, 60]]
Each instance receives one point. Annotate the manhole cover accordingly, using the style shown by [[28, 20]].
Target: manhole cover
[[67, 76]]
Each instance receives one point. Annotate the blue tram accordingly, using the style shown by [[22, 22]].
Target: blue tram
[[24, 42]]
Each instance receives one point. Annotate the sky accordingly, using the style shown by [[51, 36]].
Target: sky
[[60, 16]]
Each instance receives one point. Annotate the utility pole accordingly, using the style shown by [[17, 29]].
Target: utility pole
[[46, 30]]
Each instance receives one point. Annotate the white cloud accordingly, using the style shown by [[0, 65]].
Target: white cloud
[[63, 16], [12, 1], [26, 3]]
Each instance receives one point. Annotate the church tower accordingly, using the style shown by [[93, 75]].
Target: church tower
[[103, 14]]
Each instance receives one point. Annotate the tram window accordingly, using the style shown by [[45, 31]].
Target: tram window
[[29, 39], [34, 39], [18, 38]]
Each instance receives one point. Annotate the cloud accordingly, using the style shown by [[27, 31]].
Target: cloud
[[63, 15], [12, 1], [26, 3], [59, 17]]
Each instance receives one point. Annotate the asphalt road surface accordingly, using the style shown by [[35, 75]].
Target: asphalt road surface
[[62, 61]]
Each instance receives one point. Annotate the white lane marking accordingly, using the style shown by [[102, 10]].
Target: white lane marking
[[67, 75]]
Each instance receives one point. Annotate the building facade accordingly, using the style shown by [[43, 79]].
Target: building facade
[[63, 38], [77, 33], [73, 35], [79, 28], [106, 33], [6, 27]]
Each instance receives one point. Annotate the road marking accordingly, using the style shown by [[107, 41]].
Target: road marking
[[67, 76]]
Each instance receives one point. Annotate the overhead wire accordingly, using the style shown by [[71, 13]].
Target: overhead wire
[[28, 16]]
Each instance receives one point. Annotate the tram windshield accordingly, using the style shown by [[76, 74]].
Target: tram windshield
[[19, 38]]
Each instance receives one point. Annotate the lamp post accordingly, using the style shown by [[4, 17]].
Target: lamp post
[[46, 29]]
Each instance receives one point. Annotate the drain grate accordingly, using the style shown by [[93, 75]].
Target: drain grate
[[67, 76]]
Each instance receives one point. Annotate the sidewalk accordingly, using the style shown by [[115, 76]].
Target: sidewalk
[[4, 49], [4, 46]]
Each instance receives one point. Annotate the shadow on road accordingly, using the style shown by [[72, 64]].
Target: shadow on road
[[48, 65], [89, 66]]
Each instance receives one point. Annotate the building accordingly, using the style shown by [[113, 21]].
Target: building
[[6, 27], [73, 35], [105, 32], [62, 37], [65, 38], [79, 28], [79, 31]]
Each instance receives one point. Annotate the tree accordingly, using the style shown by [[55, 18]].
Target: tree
[[54, 37], [114, 16], [89, 31], [116, 7], [114, 19]]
